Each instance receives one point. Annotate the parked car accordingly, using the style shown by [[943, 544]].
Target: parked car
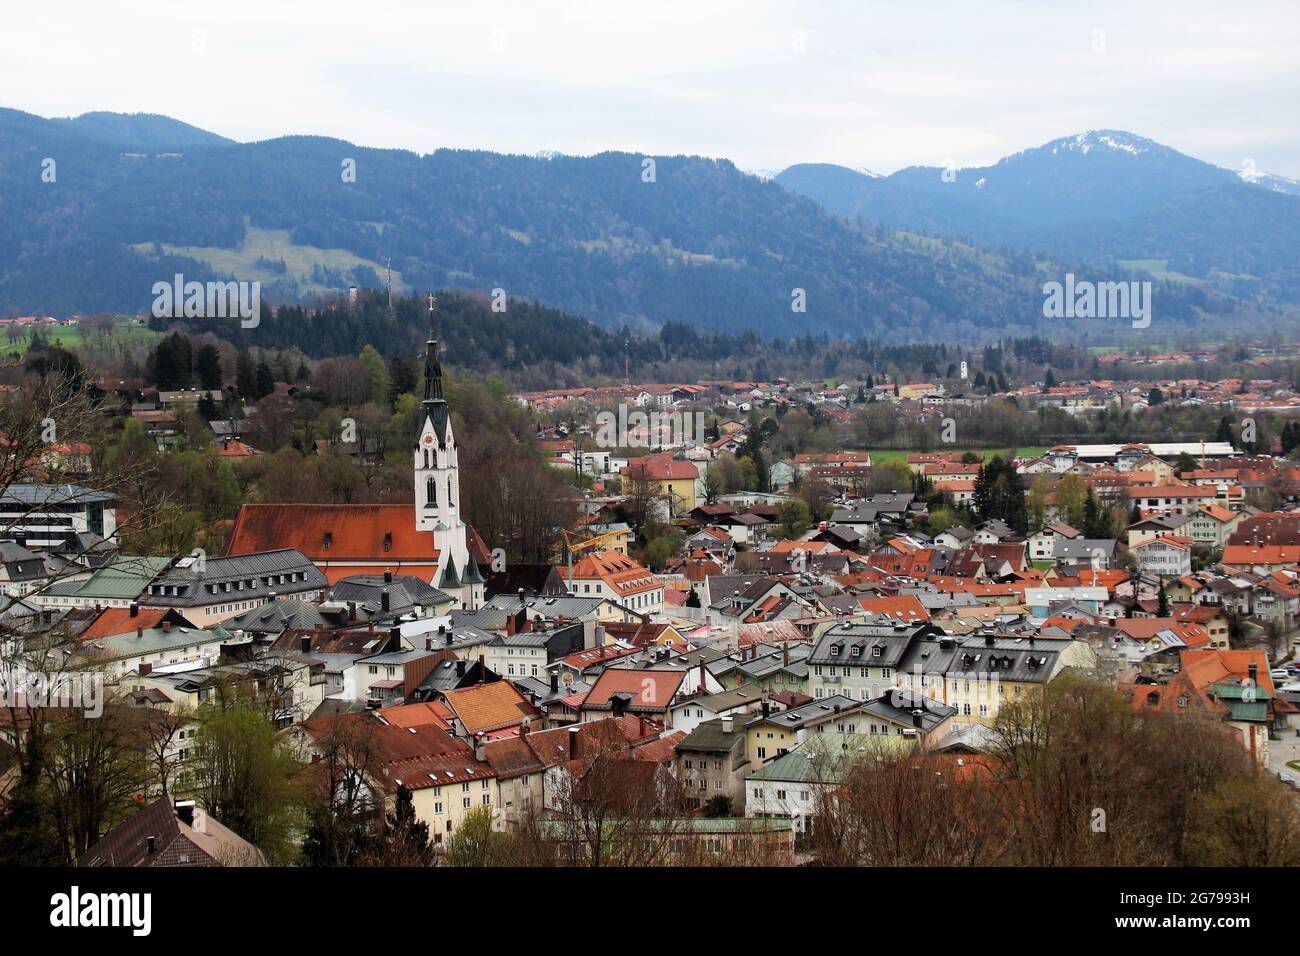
[[1280, 674]]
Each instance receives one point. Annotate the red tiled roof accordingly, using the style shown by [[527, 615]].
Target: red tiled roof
[[650, 689], [118, 620], [357, 532]]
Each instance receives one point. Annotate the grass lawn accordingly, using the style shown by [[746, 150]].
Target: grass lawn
[[1293, 764], [274, 245], [70, 337], [880, 456]]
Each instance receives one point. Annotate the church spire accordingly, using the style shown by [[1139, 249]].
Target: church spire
[[432, 367], [434, 406]]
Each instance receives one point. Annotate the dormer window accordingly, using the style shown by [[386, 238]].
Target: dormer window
[[329, 539], [388, 541]]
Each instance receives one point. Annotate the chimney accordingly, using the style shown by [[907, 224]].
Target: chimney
[[767, 709], [575, 744], [460, 668], [428, 643], [482, 670], [480, 752], [135, 609], [167, 627], [555, 681], [523, 729], [388, 577], [352, 610], [640, 725], [510, 625], [306, 644], [785, 655], [1254, 672], [522, 602], [727, 724], [151, 844], [145, 668], [139, 633], [989, 639], [383, 596], [917, 717]]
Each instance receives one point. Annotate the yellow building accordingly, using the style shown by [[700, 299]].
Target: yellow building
[[671, 479], [444, 789]]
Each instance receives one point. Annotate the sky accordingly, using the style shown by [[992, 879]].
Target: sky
[[874, 85]]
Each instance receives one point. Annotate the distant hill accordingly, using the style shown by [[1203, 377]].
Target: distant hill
[[1104, 195], [139, 198]]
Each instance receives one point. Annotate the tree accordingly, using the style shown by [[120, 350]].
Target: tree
[[246, 778], [476, 842], [207, 367], [162, 728], [793, 518], [1245, 821], [404, 840], [94, 766], [1224, 431], [379, 380], [246, 375]]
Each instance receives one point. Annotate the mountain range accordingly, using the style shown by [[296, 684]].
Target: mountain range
[[95, 210], [1100, 196]]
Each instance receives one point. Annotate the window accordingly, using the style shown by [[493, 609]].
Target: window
[[465, 803], [431, 493], [487, 799]]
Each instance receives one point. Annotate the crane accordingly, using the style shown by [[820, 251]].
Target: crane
[[574, 543]]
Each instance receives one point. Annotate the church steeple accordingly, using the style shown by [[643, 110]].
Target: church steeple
[[434, 404], [432, 367], [437, 480]]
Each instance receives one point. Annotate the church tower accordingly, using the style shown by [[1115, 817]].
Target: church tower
[[437, 484]]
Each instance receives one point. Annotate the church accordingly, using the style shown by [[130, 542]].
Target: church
[[428, 539]]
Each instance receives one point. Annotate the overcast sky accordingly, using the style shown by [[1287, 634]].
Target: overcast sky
[[879, 85]]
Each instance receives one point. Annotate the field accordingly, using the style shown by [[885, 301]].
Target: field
[[274, 245], [71, 337], [879, 457]]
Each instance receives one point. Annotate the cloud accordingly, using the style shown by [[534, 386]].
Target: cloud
[[880, 85]]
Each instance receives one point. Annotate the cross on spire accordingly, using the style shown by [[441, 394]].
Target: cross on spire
[[432, 368]]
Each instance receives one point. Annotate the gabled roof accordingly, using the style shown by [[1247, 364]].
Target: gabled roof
[[207, 843], [650, 690], [334, 532], [487, 707]]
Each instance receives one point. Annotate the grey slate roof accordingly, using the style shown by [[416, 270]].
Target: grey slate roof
[[53, 495], [877, 645], [243, 577], [709, 737]]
